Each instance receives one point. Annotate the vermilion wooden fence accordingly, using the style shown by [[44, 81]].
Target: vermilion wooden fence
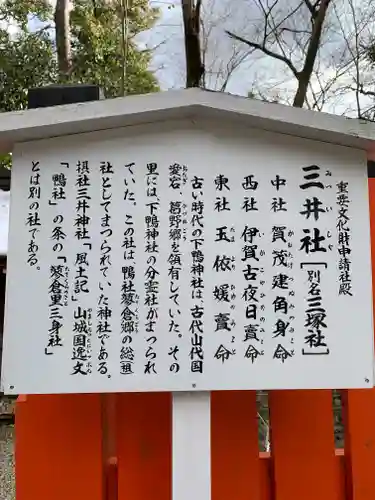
[[118, 447]]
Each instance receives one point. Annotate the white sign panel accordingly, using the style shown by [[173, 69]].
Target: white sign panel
[[185, 260]]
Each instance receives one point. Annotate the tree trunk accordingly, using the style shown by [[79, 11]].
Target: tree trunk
[[194, 64], [304, 76], [63, 39], [124, 41]]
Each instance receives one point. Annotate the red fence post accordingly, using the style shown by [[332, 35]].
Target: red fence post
[[235, 463], [144, 446], [359, 412], [302, 446], [59, 447]]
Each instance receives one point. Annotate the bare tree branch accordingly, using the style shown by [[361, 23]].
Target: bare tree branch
[[266, 51], [310, 6], [221, 57], [356, 59], [312, 51], [274, 44], [294, 31], [231, 67], [352, 83], [362, 91]]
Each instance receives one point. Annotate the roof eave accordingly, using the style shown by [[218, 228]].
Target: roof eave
[[74, 119]]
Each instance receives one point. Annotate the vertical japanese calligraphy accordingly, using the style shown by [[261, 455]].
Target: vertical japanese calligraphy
[[151, 273], [104, 326], [59, 271], [253, 293], [177, 232], [314, 244], [282, 279], [343, 238], [197, 271], [205, 264], [33, 222], [129, 294], [224, 293], [315, 319], [82, 314]]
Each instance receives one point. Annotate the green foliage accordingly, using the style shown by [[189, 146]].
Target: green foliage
[[26, 58], [26, 62], [21, 10], [99, 54]]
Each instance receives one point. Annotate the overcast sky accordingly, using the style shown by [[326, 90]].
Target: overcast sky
[[256, 72], [219, 15], [245, 18]]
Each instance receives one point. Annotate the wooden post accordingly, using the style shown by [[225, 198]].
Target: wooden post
[[191, 472]]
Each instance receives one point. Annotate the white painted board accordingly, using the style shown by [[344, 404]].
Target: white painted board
[[4, 221], [250, 268], [191, 445]]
